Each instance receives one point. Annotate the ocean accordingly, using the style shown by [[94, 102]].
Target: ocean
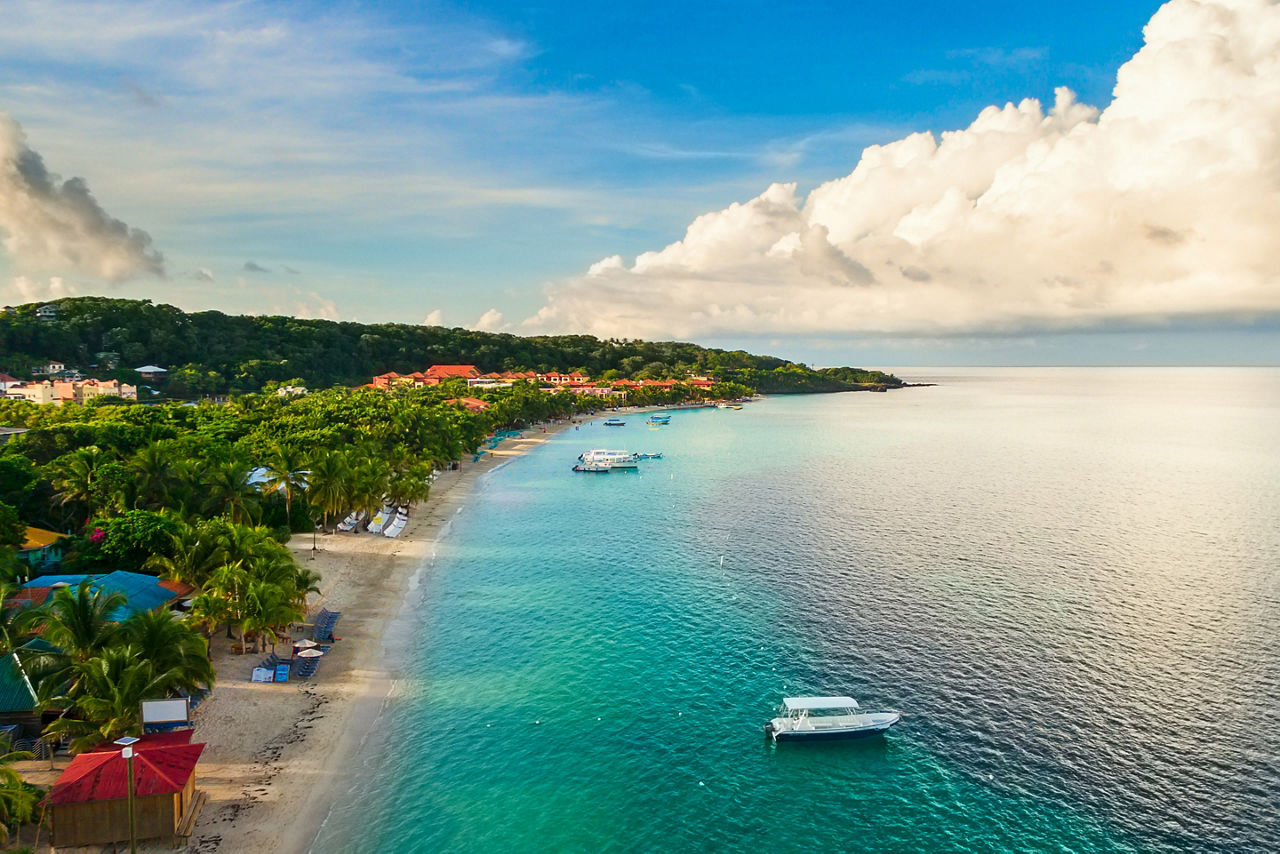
[[1066, 580]]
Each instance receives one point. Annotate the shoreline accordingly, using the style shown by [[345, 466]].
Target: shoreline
[[271, 769]]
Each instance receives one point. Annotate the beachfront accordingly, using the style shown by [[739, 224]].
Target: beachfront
[[275, 751]]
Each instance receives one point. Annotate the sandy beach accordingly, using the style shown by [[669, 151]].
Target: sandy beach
[[276, 752]]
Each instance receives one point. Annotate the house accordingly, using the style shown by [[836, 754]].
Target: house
[[51, 368], [47, 313], [19, 705], [41, 549], [141, 592], [89, 802], [152, 373], [6, 381]]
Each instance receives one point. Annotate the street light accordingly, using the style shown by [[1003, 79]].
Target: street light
[[127, 744]]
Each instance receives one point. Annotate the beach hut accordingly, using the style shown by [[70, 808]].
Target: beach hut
[[89, 805]]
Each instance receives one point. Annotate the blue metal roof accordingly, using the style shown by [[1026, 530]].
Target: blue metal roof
[[143, 591]]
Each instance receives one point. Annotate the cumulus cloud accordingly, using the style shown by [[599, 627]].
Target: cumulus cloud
[[434, 318], [25, 289], [51, 223], [490, 321], [1163, 205]]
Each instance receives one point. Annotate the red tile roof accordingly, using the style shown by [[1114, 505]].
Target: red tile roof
[[104, 776], [452, 371], [34, 595]]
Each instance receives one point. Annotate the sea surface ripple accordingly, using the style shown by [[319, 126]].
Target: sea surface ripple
[[1068, 581]]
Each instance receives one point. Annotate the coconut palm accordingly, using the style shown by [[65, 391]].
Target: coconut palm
[[107, 705], [171, 645], [229, 491], [229, 582], [74, 623], [329, 484], [154, 479], [286, 476], [17, 800], [208, 611], [196, 552], [75, 476], [267, 608]]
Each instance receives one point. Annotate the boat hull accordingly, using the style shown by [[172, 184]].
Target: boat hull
[[870, 725]]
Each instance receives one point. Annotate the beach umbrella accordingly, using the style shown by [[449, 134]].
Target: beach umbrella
[[305, 643], [310, 653]]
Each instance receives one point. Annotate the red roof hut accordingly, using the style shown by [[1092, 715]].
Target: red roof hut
[[88, 804]]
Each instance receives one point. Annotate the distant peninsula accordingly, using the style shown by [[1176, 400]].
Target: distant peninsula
[[210, 353]]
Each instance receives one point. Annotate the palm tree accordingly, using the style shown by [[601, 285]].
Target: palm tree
[[285, 475], [75, 623], [108, 703], [267, 607], [208, 611], [170, 644], [152, 468], [17, 799], [329, 484], [229, 491], [77, 619], [76, 476], [228, 582], [197, 552]]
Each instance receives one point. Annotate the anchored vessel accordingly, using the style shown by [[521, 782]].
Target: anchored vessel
[[615, 422], [826, 718]]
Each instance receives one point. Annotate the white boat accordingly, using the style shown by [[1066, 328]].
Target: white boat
[[835, 718], [381, 518], [600, 455]]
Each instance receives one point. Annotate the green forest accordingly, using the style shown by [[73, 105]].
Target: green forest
[[209, 352]]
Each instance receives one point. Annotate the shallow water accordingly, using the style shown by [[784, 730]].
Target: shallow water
[[1067, 580]]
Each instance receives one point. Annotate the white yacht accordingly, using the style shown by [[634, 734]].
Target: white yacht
[[826, 718]]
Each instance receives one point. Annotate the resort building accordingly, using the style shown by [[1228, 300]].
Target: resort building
[[6, 381], [141, 592], [471, 404], [432, 376], [89, 802], [47, 313], [152, 373], [70, 391]]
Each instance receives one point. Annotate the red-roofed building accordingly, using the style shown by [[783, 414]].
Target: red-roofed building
[[471, 404], [88, 804], [449, 372]]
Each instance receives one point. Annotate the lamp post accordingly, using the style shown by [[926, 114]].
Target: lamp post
[[126, 744]]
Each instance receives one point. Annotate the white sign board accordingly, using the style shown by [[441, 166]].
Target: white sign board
[[165, 711], [262, 674]]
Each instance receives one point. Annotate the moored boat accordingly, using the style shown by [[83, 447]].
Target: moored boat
[[594, 468], [615, 422], [836, 718]]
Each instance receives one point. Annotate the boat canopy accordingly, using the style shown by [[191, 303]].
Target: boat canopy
[[798, 704]]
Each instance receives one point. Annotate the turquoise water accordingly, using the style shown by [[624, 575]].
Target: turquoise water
[[1066, 580]]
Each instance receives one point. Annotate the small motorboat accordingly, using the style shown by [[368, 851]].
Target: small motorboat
[[615, 422], [594, 468], [659, 419], [826, 719], [656, 456]]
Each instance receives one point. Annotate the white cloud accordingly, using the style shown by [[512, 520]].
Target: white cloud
[[24, 289], [204, 274], [434, 318], [490, 321], [1163, 205], [49, 223]]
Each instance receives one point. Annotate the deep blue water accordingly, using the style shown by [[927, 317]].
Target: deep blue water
[[1068, 580]]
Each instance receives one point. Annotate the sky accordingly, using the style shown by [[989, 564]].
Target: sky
[[879, 184]]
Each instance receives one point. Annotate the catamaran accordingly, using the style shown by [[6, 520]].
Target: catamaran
[[836, 718]]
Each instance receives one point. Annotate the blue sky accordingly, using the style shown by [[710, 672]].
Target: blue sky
[[452, 161]]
